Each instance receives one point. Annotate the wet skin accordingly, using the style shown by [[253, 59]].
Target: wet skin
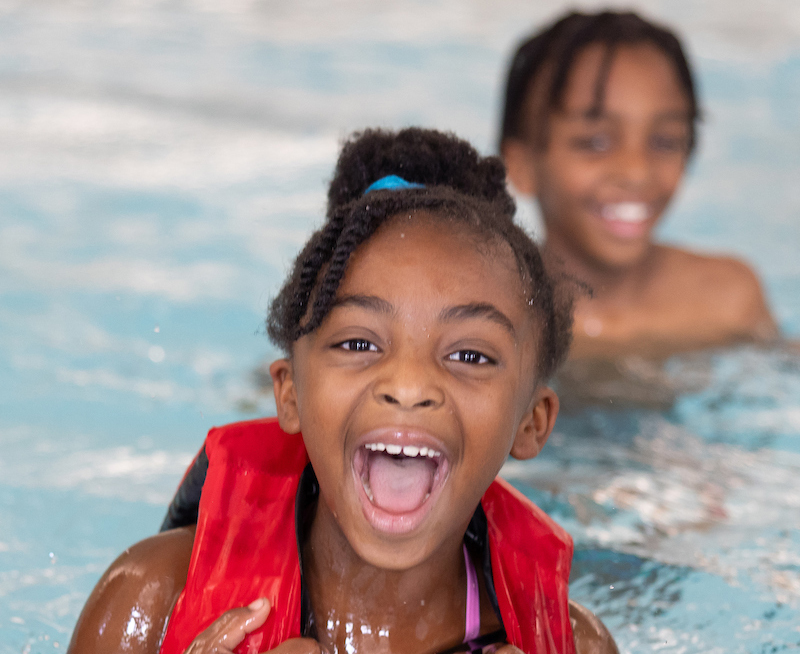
[[431, 339], [603, 183]]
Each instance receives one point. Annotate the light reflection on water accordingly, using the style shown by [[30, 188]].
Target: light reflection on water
[[163, 163]]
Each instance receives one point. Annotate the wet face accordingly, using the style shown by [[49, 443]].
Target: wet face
[[412, 392], [604, 181]]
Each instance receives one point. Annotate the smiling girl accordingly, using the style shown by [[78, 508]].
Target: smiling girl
[[419, 327], [599, 123]]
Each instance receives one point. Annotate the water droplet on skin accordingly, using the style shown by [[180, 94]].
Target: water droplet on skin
[[402, 235]]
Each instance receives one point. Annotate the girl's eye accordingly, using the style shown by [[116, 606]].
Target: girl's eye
[[358, 345], [593, 143], [470, 356], [665, 143]]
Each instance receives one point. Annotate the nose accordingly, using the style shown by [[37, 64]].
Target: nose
[[409, 382], [633, 166]]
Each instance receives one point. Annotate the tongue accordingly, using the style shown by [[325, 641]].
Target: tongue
[[400, 484]]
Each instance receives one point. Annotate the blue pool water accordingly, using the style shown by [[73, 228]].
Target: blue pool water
[[163, 161]]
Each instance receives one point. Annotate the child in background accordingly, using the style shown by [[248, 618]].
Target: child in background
[[419, 327], [599, 122]]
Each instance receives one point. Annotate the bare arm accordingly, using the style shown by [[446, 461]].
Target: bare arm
[[591, 635], [128, 609]]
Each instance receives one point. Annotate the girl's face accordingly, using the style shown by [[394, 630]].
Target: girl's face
[[604, 181], [415, 388]]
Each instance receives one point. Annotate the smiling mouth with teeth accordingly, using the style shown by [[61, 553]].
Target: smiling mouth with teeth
[[626, 212], [398, 479]]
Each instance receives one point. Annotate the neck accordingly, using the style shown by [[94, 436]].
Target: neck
[[358, 605], [609, 284]]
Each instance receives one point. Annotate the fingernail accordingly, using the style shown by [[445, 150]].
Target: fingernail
[[259, 603]]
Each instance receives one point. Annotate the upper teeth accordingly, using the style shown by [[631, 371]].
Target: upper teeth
[[406, 450], [627, 212]]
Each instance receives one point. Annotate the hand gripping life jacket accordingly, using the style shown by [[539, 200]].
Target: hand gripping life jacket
[[246, 547]]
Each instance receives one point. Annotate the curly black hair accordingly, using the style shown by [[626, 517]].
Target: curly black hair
[[559, 45], [459, 186]]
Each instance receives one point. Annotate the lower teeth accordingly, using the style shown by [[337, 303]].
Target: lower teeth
[[367, 489]]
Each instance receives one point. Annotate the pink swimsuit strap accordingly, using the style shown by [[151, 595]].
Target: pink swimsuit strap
[[472, 628]]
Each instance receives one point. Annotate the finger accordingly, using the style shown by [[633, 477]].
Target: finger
[[243, 621], [260, 610]]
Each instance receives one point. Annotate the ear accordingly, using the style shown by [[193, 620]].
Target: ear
[[285, 395], [536, 426], [520, 166]]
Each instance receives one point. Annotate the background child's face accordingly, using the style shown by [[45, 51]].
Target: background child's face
[[604, 181], [431, 345]]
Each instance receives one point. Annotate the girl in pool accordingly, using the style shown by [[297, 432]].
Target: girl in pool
[[599, 122], [419, 327]]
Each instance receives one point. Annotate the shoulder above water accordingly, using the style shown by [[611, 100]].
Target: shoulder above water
[[726, 286], [591, 635], [128, 609], [682, 301]]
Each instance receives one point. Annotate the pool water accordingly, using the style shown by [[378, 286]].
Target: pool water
[[163, 162]]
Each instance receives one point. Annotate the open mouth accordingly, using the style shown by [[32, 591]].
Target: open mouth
[[398, 482], [626, 219]]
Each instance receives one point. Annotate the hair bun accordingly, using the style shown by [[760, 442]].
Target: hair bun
[[419, 156]]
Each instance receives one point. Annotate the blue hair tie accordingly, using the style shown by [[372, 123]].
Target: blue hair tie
[[391, 182]]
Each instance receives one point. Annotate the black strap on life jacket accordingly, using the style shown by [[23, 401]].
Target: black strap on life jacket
[[183, 508]]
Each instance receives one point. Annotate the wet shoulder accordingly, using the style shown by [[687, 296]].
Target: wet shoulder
[[128, 609], [591, 635], [725, 288]]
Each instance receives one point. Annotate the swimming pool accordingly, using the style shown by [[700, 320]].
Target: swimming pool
[[163, 162]]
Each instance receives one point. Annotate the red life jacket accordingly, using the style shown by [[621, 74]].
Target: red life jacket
[[246, 547]]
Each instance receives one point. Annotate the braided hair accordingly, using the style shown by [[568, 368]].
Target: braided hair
[[548, 57], [453, 183]]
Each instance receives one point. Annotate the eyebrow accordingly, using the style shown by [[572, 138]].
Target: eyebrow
[[369, 302], [479, 310], [459, 312]]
